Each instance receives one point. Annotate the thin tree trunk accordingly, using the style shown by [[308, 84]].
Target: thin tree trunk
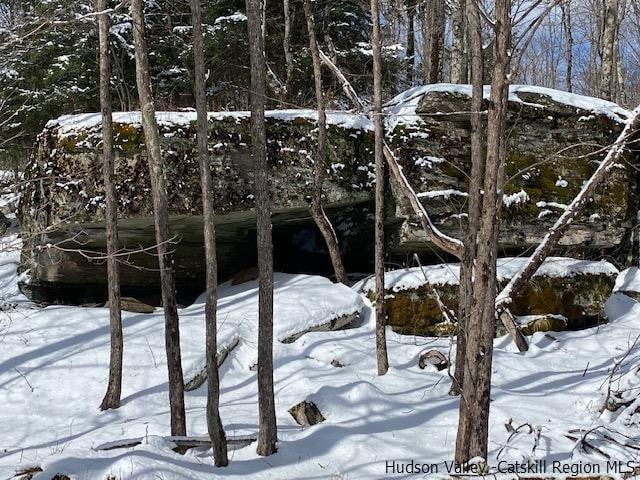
[[286, 44], [161, 219], [466, 302], [458, 57], [568, 45], [112, 397], [317, 212], [214, 423], [381, 317], [411, 41], [608, 49], [473, 426], [433, 44], [618, 82], [267, 436]]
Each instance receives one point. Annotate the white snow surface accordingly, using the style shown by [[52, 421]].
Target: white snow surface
[[53, 373], [449, 273], [86, 121], [628, 280]]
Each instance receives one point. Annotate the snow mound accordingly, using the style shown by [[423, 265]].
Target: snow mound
[[628, 281], [402, 108], [302, 303], [449, 273]]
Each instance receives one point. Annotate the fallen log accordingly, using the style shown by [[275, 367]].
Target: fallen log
[[182, 443], [196, 379]]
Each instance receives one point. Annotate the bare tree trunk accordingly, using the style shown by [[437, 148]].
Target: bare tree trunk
[[458, 57], [317, 212], [381, 317], [466, 295], [161, 218], [411, 41], [608, 50], [112, 397], [473, 425], [286, 44], [568, 45], [618, 82], [433, 44], [267, 436], [214, 423]]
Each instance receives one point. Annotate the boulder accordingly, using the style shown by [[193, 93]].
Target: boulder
[[628, 283], [565, 294], [554, 145], [63, 203], [555, 140], [306, 413], [129, 304]]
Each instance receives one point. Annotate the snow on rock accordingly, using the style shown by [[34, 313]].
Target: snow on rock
[[442, 193], [449, 273], [85, 121], [515, 198], [402, 108]]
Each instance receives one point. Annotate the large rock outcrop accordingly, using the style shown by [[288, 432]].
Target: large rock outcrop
[[63, 202], [555, 142]]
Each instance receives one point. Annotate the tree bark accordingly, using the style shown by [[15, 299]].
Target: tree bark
[[411, 41], [381, 317], [214, 423], [466, 295], [317, 212], [568, 45], [286, 44], [608, 49], [458, 56], [267, 435], [161, 219], [112, 396], [473, 425], [433, 44]]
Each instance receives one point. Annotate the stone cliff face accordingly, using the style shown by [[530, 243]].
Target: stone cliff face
[[555, 142]]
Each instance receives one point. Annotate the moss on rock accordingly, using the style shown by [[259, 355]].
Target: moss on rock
[[579, 299]]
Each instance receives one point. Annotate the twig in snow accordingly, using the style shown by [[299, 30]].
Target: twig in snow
[[608, 403], [24, 377]]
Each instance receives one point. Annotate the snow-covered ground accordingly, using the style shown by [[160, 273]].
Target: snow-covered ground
[[53, 373]]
